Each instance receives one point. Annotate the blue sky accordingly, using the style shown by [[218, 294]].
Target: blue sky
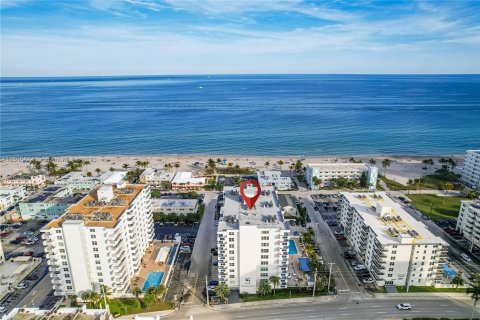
[[125, 37]]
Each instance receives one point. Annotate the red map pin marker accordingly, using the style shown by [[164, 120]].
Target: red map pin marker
[[250, 201]]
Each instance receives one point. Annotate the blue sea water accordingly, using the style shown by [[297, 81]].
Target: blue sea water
[[240, 114]]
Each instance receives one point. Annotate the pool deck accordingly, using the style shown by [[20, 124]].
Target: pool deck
[[149, 264]]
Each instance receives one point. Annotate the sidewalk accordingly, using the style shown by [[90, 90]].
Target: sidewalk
[[165, 313], [273, 302]]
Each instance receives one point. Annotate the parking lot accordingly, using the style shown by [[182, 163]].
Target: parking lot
[[22, 238]]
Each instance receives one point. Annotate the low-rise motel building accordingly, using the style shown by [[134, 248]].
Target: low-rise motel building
[[326, 172], [468, 222], [273, 178], [100, 240], [25, 180], [253, 243], [10, 196], [394, 247], [177, 206], [471, 169]]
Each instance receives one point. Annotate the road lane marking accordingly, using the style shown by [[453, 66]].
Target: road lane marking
[[311, 316], [275, 313], [342, 308], [443, 305], [309, 310], [346, 314], [381, 312], [376, 306], [341, 275], [240, 317]]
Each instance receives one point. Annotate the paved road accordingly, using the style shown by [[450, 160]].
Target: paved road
[[330, 249], [37, 294], [206, 239], [344, 307]]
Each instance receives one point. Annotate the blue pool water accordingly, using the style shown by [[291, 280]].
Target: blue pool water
[[154, 279], [172, 254], [292, 248]]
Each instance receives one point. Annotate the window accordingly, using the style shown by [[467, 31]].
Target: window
[[264, 244], [390, 275], [265, 238], [232, 276], [263, 274], [99, 268], [231, 245], [95, 249], [390, 269], [99, 274], [97, 261], [68, 281], [96, 255], [62, 250], [58, 231], [392, 263], [264, 263], [231, 252], [67, 276], [69, 287], [65, 269], [63, 256], [264, 250], [93, 236], [94, 243], [92, 230], [264, 257], [59, 238], [394, 251], [100, 280], [264, 269], [231, 233], [231, 264], [265, 232], [231, 239]]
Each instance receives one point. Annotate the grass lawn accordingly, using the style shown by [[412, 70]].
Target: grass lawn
[[442, 207], [393, 185], [281, 294], [430, 289], [131, 306]]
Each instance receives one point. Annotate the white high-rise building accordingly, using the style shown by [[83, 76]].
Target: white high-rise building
[[100, 240], [393, 246], [252, 243], [471, 169], [272, 178], [326, 172], [468, 222]]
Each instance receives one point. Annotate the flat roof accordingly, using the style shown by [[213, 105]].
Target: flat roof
[[266, 212], [76, 176], [271, 176], [396, 218], [100, 214], [337, 165], [113, 177], [187, 177], [49, 195]]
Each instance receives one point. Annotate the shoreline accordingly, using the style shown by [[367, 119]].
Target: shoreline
[[402, 169]]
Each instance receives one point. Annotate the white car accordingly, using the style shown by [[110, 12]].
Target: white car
[[30, 242], [359, 267], [466, 257], [404, 306], [211, 288], [3, 309], [368, 281], [21, 285]]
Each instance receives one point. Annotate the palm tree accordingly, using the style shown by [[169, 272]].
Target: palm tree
[[177, 165], [267, 164], [316, 181], [425, 163], [86, 296], [421, 183], [125, 166], [219, 160], [298, 166], [156, 292], [291, 167], [37, 165], [223, 291], [280, 163], [230, 164], [98, 170], [458, 280], [475, 294], [264, 287], [138, 163], [409, 185], [51, 167], [86, 163], [372, 161], [275, 282], [94, 298], [447, 186], [211, 164], [145, 163], [136, 292], [385, 164]]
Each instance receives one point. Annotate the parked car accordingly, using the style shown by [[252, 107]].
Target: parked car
[[466, 257], [368, 281], [359, 267], [404, 306], [2, 309], [21, 285]]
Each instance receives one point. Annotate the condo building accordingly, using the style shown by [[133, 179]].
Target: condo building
[[155, 177], [271, 178], [471, 169], [326, 172], [252, 243], [178, 206], [100, 240], [10, 195], [394, 247], [77, 181], [468, 222]]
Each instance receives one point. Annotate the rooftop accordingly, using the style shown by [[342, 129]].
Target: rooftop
[[53, 194], [100, 213], [113, 177], [76, 176], [266, 212], [271, 175], [186, 177], [326, 166], [389, 221], [472, 203]]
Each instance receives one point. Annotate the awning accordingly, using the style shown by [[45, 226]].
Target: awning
[[305, 264], [448, 271]]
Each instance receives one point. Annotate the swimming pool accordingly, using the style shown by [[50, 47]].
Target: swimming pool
[[154, 279], [292, 248]]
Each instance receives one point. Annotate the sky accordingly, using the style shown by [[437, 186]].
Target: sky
[[157, 37]]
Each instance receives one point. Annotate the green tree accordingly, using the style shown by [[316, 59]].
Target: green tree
[[98, 170], [280, 163], [51, 166], [36, 164], [316, 181], [472, 194], [298, 166], [86, 296], [125, 166], [372, 161], [475, 294], [145, 164], [147, 300], [267, 164], [458, 280], [385, 164], [89, 174], [447, 186], [275, 281], [223, 291], [211, 164], [137, 292], [177, 165], [409, 185], [264, 287], [425, 163]]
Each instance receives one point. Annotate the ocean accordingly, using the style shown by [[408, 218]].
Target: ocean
[[311, 115]]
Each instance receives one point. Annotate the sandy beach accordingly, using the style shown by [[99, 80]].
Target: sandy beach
[[402, 168]]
